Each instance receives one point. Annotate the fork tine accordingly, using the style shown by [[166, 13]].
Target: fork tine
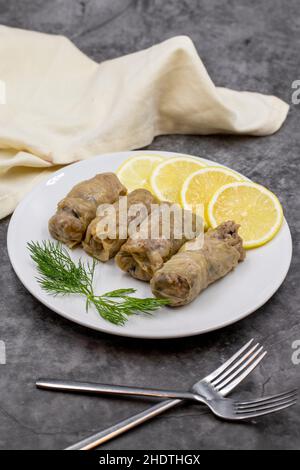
[[265, 412], [250, 355], [266, 406], [273, 399], [245, 364], [227, 389], [228, 363]]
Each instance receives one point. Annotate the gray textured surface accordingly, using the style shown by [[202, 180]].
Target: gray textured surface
[[245, 45]]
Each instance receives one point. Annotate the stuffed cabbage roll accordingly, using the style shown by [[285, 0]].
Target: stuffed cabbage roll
[[104, 245], [78, 208], [187, 273], [159, 238]]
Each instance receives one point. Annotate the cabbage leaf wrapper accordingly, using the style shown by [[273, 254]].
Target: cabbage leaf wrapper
[[104, 246], [141, 256], [75, 212], [189, 272]]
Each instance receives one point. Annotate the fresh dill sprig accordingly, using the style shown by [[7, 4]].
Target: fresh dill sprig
[[59, 274], [117, 311]]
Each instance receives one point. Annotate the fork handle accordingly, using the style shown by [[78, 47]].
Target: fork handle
[[72, 386], [99, 438]]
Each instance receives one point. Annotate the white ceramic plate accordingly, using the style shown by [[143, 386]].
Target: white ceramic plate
[[240, 293]]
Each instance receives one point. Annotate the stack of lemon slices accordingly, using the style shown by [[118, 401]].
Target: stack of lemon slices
[[219, 193]]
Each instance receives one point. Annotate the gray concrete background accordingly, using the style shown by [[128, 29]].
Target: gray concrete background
[[245, 45]]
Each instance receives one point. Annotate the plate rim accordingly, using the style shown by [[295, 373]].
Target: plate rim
[[122, 333]]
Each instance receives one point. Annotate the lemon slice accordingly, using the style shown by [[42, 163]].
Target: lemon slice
[[135, 172], [200, 186], [169, 176], [255, 208]]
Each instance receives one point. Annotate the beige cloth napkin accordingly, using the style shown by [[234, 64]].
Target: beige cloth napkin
[[62, 107]]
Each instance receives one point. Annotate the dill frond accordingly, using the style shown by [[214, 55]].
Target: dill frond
[[58, 274]]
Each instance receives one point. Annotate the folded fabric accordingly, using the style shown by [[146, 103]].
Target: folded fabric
[[60, 106]]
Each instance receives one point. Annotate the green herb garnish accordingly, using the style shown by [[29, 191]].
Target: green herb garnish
[[59, 274]]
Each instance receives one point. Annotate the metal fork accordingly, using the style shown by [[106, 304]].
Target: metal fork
[[236, 365], [210, 391]]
